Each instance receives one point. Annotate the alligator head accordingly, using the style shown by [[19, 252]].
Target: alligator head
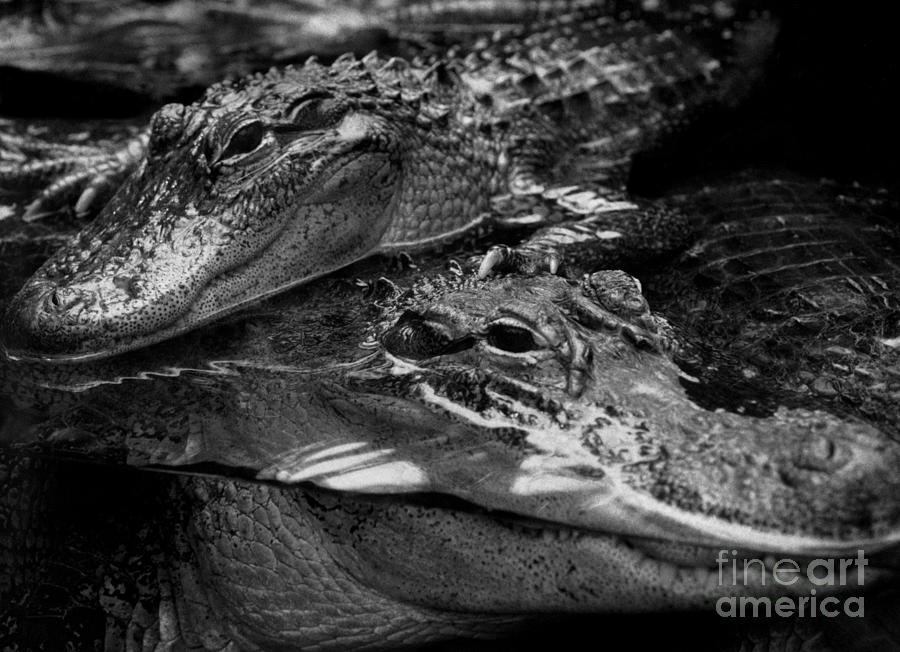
[[556, 407], [577, 383], [264, 183]]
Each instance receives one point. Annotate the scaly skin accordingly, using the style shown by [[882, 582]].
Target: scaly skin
[[276, 179]]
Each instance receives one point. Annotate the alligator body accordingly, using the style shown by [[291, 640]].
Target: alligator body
[[278, 178], [501, 448]]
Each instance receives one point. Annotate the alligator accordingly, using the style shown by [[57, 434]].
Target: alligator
[[500, 448], [272, 180]]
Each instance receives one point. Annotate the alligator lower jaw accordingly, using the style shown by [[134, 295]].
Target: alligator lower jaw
[[24, 356], [460, 557], [694, 570], [679, 556], [714, 568]]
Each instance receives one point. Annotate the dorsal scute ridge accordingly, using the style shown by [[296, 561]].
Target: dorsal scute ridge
[[394, 65], [560, 78], [345, 59], [442, 73], [371, 60]]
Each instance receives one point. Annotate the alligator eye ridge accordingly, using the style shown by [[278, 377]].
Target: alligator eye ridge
[[413, 337], [512, 339], [244, 140], [315, 111]]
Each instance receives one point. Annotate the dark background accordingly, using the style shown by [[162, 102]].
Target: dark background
[[828, 105]]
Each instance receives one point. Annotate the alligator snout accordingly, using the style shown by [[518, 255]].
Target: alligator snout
[[49, 320], [78, 307], [78, 313]]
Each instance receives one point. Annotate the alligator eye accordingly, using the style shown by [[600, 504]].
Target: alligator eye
[[413, 337], [316, 112], [244, 140], [512, 339]]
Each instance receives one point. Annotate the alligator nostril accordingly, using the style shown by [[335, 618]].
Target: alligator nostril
[[128, 284], [62, 300], [824, 449], [821, 453]]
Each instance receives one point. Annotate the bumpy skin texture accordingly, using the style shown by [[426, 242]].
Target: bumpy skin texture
[[275, 179]]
